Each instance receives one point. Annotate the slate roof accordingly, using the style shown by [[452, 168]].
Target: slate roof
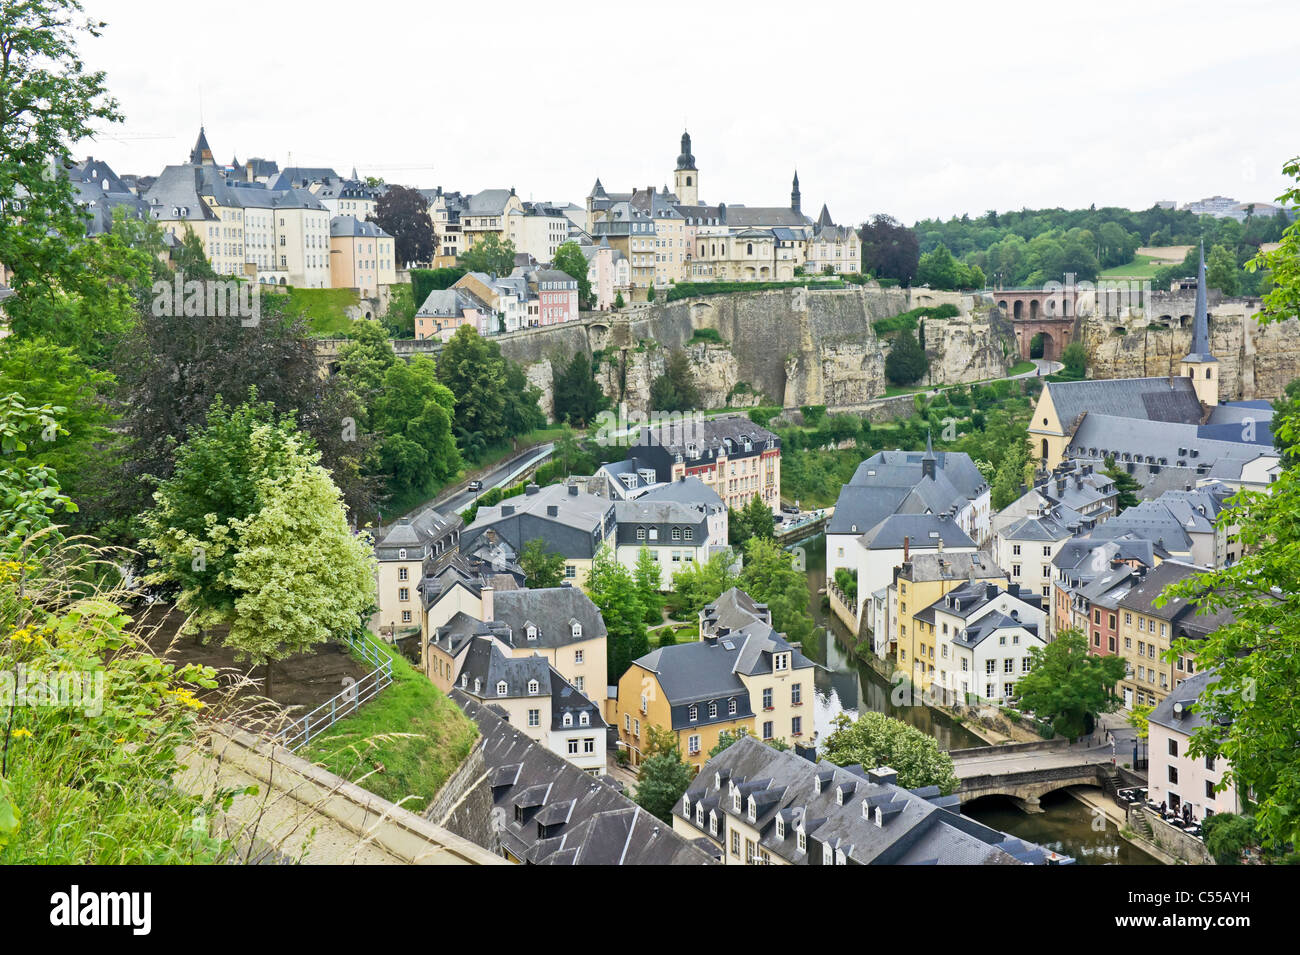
[[1152, 399], [352, 226], [488, 202], [415, 534], [490, 666], [1179, 611], [1189, 692], [688, 490], [827, 802], [553, 611], [921, 530], [591, 822]]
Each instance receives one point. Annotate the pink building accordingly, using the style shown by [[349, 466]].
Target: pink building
[[556, 296]]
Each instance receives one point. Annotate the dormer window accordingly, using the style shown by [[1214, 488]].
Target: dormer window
[[735, 799], [780, 828], [478, 686], [828, 855], [781, 661], [532, 687], [584, 718], [802, 839], [880, 818], [839, 797], [713, 710], [577, 631], [501, 688], [531, 632], [568, 719], [693, 713], [753, 809], [464, 680], [699, 814], [401, 554]]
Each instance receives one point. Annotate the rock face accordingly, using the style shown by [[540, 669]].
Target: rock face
[[789, 347], [1256, 361]]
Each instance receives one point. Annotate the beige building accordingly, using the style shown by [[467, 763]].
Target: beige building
[[1147, 631], [833, 249], [361, 256], [405, 553], [487, 213], [1175, 777]]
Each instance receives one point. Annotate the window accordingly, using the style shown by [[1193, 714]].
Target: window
[[1173, 747], [735, 843], [573, 747], [403, 573], [802, 840], [713, 710], [589, 744], [796, 726], [693, 745], [627, 722], [577, 656], [1173, 774], [693, 713], [501, 688], [406, 616], [534, 717], [767, 698], [796, 693], [767, 730], [584, 718], [1209, 763], [731, 706], [568, 719], [403, 593]]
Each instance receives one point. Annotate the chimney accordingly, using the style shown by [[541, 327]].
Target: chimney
[[939, 548], [882, 776], [906, 543], [552, 510], [573, 490], [488, 608], [507, 510], [531, 489]]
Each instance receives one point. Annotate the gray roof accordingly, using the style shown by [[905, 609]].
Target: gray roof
[[1182, 613], [765, 216], [491, 667], [1151, 399], [836, 807], [891, 482], [488, 202], [932, 565], [572, 522], [688, 490], [1184, 696], [352, 226], [921, 530], [553, 611], [569, 817], [415, 534]]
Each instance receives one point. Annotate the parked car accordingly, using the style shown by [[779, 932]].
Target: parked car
[[789, 509], [475, 486]]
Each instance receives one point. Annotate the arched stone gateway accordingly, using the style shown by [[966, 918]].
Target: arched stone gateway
[[1043, 312]]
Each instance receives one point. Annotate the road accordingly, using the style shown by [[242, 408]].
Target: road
[[1024, 761], [502, 475]]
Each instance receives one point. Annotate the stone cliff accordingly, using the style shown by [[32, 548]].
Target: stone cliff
[[1257, 361], [790, 347]]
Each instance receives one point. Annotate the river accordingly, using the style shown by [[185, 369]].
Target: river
[[843, 685]]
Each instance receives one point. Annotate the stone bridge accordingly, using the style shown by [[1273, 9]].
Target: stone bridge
[[1025, 772], [1049, 311]]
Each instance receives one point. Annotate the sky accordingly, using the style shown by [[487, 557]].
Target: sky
[[916, 109]]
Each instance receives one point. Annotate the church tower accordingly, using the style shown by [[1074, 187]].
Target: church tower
[[1199, 364], [201, 154], [794, 194], [686, 178]]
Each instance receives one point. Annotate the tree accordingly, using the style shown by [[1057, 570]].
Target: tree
[[649, 581], [1125, 483], [1067, 686], [1075, 360], [170, 369], [701, 582], [404, 214], [30, 491], [412, 414], [875, 740], [541, 567], [890, 250], [619, 304], [523, 411], [48, 102], [661, 782], [1227, 835], [570, 260], [472, 367], [1221, 271], [612, 588], [1139, 719], [650, 294], [489, 254], [752, 520], [769, 576], [253, 532], [577, 396], [906, 362], [675, 389], [85, 451]]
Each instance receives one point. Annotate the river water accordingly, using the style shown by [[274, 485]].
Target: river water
[[843, 685]]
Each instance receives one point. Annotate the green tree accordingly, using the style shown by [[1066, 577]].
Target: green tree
[[1125, 483], [253, 532], [661, 782], [48, 102], [650, 294], [489, 255], [578, 398], [570, 260], [619, 304], [1139, 718], [30, 491], [472, 367], [648, 579], [701, 582], [675, 389], [541, 567], [1221, 271], [1227, 835], [752, 520], [906, 362], [413, 415], [85, 451], [769, 576], [1067, 686], [613, 589], [875, 740], [1075, 359]]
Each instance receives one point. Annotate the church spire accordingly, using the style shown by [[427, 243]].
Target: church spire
[[794, 193], [1201, 325], [928, 460], [201, 154]]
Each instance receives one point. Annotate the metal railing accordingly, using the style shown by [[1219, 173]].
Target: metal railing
[[301, 732]]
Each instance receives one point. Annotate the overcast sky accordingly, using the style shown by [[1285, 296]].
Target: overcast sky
[[912, 108]]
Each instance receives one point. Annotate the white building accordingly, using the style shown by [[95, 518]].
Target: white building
[[1175, 777]]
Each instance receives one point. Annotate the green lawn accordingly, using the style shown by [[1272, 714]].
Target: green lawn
[[324, 308], [1020, 367], [1142, 267], [409, 739]]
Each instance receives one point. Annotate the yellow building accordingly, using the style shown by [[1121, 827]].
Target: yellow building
[[361, 256], [919, 582], [740, 675]]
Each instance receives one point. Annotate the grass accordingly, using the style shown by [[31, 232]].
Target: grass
[[403, 744], [1020, 367], [1142, 267], [325, 309]]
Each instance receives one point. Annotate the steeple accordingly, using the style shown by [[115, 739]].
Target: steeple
[[825, 219], [686, 178], [1199, 363], [794, 193], [201, 154], [928, 460], [686, 160]]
